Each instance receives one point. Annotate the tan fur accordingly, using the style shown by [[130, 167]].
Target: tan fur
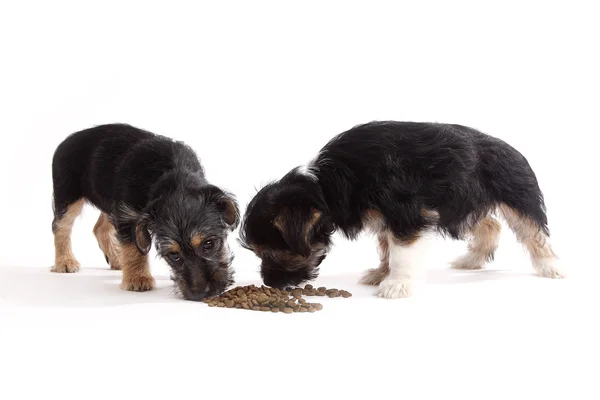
[[174, 248], [536, 242], [64, 259], [279, 222], [485, 236], [196, 240], [430, 215], [375, 276], [136, 270], [373, 221], [405, 241], [313, 220], [105, 234], [527, 233]]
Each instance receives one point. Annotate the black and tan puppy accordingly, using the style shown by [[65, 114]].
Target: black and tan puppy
[[406, 182], [146, 186]]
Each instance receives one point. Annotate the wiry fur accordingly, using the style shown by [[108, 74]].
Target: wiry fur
[[400, 179], [148, 187]]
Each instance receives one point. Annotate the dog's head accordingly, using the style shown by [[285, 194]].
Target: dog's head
[[190, 227], [287, 226]]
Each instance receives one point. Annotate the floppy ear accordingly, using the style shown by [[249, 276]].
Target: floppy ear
[[228, 207], [296, 226], [143, 241]]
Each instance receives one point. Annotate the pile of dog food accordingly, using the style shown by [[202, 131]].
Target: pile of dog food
[[264, 298]]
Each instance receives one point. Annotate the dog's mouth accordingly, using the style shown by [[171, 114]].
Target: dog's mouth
[[200, 292]]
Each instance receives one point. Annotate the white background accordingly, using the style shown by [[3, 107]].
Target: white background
[[257, 88]]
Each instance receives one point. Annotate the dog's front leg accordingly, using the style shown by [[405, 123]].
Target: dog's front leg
[[136, 269], [406, 257]]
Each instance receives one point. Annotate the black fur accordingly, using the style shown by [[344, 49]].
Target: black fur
[[397, 169], [153, 186]]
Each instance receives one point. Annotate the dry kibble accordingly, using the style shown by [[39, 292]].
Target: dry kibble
[[263, 298]]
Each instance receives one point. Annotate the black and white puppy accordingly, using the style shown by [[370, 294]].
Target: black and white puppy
[[406, 182], [146, 186]]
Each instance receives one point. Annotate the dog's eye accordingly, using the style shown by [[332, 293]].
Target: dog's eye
[[174, 256], [209, 244]]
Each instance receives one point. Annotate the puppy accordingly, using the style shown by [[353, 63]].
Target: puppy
[[145, 186], [405, 182]]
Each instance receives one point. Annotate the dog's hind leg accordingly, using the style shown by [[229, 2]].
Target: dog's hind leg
[[375, 276], [106, 235], [62, 226], [483, 243], [536, 240]]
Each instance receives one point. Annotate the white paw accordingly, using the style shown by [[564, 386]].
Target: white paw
[[550, 268], [68, 265], [395, 289]]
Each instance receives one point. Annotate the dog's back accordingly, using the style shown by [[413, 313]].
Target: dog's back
[[458, 171], [86, 162]]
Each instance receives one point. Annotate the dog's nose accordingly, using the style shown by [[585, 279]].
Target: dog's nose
[[198, 295]]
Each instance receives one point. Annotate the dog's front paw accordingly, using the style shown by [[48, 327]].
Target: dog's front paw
[[395, 289], [466, 263], [373, 277], [67, 265], [141, 283]]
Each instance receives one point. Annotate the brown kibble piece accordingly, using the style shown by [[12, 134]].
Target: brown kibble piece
[[265, 309], [322, 289], [276, 309], [263, 298], [308, 287], [311, 309], [317, 306], [220, 304], [303, 309], [288, 310]]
